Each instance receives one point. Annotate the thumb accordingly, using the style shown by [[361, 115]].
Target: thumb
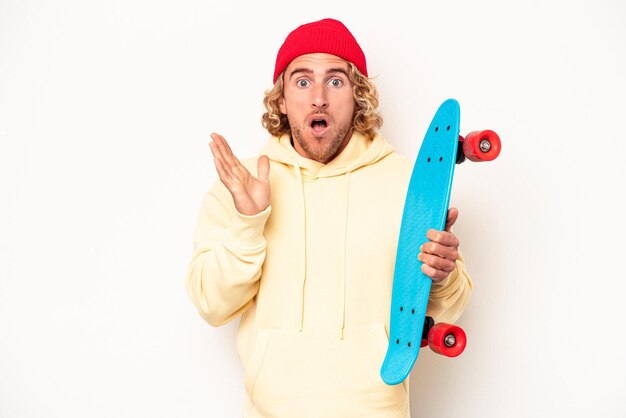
[[453, 214], [263, 168]]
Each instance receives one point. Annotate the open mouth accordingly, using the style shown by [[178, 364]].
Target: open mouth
[[318, 124]]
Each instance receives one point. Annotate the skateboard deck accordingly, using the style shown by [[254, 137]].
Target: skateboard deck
[[426, 207]]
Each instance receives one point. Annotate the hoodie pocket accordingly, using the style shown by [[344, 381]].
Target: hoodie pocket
[[256, 360], [315, 371]]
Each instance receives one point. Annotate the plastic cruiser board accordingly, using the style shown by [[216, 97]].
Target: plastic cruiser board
[[426, 207]]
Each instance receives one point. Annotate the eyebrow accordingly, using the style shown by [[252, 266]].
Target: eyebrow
[[305, 70]]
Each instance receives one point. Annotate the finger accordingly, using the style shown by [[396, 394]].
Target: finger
[[433, 248], [227, 152], [217, 139], [453, 215], [263, 168], [223, 169], [215, 150], [437, 263], [220, 145], [224, 175], [443, 237], [434, 274]]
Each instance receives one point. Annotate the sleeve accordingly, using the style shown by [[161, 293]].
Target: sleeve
[[449, 297], [229, 250]]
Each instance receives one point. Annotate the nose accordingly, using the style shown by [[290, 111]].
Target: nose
[[319, 99]]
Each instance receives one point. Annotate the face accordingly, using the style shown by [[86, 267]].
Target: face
[[318, 101]]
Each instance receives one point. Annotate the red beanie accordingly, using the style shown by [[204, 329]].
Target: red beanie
[[328, 36]]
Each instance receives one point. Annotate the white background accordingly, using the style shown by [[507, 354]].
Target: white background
[[105, 112]]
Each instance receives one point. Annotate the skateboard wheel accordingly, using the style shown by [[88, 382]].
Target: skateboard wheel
[[446, 339], [481, 146]]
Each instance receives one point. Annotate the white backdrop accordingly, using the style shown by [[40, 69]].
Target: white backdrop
[[105, 112]]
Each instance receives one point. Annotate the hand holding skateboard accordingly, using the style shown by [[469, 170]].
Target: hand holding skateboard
[[439, 255]]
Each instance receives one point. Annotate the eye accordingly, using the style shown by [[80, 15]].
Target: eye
[[336, 82], [303, 83]]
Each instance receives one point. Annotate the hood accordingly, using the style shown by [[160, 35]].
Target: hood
[[359, 152]]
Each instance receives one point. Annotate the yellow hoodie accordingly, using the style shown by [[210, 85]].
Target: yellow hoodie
[[311, 277]]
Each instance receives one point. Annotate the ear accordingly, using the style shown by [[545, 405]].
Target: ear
[[281, 105]]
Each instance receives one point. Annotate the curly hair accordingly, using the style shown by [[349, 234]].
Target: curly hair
[[366, 118]]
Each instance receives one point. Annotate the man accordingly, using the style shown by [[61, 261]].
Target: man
[[301, 242]]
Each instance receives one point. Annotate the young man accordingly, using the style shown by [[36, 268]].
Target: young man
[[301, 242]]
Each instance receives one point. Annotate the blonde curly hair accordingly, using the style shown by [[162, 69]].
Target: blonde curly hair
[[366, 118]]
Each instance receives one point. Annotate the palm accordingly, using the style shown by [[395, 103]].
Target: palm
[[251, 195]]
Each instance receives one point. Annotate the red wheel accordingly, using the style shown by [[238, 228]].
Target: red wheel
[[481, 146], [446, 339]]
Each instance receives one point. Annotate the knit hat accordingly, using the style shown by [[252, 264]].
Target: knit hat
[[328, 36]]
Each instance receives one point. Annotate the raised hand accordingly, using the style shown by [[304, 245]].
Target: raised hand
[[440, 253], [250, 194]]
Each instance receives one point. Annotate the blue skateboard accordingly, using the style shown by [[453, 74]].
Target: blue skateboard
[[426, 207]]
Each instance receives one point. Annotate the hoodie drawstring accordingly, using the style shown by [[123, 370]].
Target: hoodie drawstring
[[300, 182], [344, 257]]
